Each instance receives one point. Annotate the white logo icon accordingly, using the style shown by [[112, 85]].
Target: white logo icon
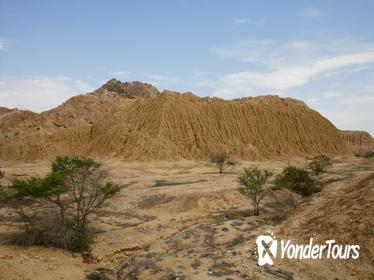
[[266, 249]]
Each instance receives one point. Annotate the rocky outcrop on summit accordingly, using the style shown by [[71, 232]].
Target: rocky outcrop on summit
[[358, 141], [173, 126], [129, 90], [78, 111]]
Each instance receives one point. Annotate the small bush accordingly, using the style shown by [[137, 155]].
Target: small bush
[[253, 185], [368, 154], [80, 238], [319, 164], [297, 180], [164, 183], [2, 173], [2, 194], [221, 160], [55, 210]]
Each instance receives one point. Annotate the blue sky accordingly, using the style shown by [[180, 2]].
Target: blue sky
[[319, 51]]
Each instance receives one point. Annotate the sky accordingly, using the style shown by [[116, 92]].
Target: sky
[[321, 52]]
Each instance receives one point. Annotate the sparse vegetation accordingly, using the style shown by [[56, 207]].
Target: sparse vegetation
[[221, 160], [253, 185], [328, 181], [368, 154], [153, 200], [55, 210], [297, 180], [319, 164], [2, 173], [2, 191], [164, 183]]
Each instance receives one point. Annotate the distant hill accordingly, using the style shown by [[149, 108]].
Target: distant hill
[[358, 141], [134, 121]]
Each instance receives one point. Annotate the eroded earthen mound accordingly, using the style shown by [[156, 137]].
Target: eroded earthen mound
[[78, 111], [170, 126], [358, 141], [176, 125]]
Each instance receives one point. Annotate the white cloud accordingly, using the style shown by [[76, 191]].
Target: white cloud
[[39, 93], [279, 66], [199, 79], [349, 108], [240, 20], [288, 69], [245, 50], [164, 79], [310, 13], [274, 54], [291, 76], [3, 43], [256, 23], [198, 73], [120, 74], [324, 97]]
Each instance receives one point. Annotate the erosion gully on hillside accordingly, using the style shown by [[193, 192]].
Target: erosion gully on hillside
[[183, 220], [168, 126]]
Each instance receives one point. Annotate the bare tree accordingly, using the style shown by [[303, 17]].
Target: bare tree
[[221, 160]]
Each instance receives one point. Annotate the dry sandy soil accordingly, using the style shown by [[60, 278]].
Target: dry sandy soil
[[182, 220]]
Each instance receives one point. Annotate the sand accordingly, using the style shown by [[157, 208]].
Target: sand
[[173, 126], [183, 220]]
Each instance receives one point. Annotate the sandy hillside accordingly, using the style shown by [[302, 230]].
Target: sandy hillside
[[358, 141], [182, 220], [134, 121], [175, 216]]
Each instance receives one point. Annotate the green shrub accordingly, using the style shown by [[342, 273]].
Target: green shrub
[[80, 238], [368, 154], [319, 164], [297, 180], [2, 174], [253, 185], [55, 210]]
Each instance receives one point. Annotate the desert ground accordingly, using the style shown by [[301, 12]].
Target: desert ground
[[183, 220]]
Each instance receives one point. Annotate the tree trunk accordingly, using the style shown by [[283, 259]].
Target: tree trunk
[[256, 211]]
